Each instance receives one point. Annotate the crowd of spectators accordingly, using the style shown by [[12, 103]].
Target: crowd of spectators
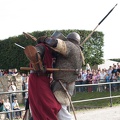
[[92, 76], [11, 103], [5, 105], [86, 76]]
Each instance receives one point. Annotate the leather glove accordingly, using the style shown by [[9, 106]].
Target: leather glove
[[41, 39], [52, 42]]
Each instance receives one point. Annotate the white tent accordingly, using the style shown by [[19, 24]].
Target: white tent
[[107, 64]]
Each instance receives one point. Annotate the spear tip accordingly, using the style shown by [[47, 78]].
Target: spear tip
[[116, 5]]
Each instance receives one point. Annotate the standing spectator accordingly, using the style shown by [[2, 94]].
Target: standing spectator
[[118, 68], [26, 83], [84, 78], [7, 106], [78, 82], [114, 79], [94, 81], [26, 97], [114, 70], [89, 80], [15, 72], [88, 67], [1, 73], [107, 79], [118, 80], [110, 70], [23, 77], [12, 88], [98, 76], [118, 65], [26, 88], [15, 106], [10, 72], [102, 80], [5, 73]]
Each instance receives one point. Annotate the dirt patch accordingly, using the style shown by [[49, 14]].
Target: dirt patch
[[109, 113]]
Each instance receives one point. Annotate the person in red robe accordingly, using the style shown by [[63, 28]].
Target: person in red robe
[[43, 104]]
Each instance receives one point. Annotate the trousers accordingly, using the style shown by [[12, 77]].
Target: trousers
[[63, 114]]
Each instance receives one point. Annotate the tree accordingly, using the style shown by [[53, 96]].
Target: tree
[[12, 56]]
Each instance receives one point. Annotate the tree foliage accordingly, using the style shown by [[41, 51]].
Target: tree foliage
[[12, 56], [116, 60]]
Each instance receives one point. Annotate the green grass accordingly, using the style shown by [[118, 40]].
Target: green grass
[[96, 103]]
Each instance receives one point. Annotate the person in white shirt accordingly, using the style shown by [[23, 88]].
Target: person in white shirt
[[7, 106], [102, 80], [88, 67], [84, 78]]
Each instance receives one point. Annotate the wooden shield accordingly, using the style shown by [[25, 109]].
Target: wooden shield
[[34, 57]]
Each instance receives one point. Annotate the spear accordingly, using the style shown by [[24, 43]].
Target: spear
[[19, 46], [27, 35], [97, 26]]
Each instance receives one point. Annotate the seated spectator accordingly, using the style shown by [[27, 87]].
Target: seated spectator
[[15, 106], [7, 106], [2, 105]]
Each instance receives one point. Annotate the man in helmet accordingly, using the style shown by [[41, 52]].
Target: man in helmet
[[68, 57]]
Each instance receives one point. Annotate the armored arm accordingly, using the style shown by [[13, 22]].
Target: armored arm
[[52, 42], [56, 44]]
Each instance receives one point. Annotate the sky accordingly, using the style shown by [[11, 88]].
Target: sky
[[18, 16]]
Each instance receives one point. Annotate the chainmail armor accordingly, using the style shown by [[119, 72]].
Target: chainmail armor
[[72, 60]]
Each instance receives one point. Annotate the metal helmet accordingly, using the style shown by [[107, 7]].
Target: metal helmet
[[59, 35], [74, 36]]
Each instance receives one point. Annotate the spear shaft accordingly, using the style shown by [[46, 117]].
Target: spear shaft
[[19, 46], [97, 25]]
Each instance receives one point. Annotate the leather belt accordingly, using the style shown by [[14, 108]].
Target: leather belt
[[39, 73]]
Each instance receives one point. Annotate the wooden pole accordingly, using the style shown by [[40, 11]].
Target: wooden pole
[[69, 99], [51, 69]]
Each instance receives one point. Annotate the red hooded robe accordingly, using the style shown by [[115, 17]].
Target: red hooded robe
[[43, 104]]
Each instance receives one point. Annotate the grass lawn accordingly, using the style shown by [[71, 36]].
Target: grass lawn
[[95, 103]]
